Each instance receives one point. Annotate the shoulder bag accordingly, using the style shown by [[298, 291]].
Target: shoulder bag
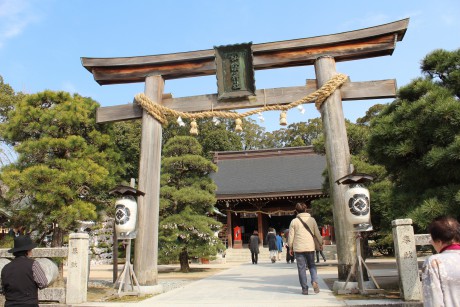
[[318, 246]]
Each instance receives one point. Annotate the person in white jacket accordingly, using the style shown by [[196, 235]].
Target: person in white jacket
[[441, 272], [302, 246]]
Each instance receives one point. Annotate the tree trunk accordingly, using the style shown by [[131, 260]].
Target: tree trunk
[[183, 259], [57, 241], [58, 236]]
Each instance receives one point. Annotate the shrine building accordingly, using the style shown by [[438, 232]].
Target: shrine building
[[258, 189]]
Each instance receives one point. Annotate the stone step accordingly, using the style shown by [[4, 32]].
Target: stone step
[[244, 255]]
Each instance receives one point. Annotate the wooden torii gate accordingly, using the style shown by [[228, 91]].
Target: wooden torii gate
[[322, 52]]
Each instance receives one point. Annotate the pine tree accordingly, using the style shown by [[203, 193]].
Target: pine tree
[[416, 138], [187, 197], [66, 162], [8, 98]]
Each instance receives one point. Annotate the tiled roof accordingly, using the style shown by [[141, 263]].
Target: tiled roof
[[270, 172]]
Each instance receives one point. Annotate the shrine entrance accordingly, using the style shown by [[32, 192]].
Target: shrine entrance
[[249, 223], [236, 90]]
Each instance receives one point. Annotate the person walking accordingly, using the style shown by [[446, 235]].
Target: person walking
[[302, 246], [254, 242], [289, 257], [441, 272], [22, 277], [271, 241], [320, 251], [279, 245]]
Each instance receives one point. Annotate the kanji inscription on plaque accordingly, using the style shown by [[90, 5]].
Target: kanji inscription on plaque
[[234, 71]]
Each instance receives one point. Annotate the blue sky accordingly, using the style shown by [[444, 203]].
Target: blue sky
[[41, 41]]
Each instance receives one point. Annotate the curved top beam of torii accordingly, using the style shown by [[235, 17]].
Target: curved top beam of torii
[[353, 45]]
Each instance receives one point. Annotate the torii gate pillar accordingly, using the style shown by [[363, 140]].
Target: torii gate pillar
[[338, 162], [146, 247]]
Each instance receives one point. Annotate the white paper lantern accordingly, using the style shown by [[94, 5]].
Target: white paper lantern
[[125, 215], [358, 205]]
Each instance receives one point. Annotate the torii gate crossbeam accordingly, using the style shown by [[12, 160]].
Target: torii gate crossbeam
[[274, 96], [354, 45], [321, 51]]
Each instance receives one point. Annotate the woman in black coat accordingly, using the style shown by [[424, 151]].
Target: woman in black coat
[[254, 246]]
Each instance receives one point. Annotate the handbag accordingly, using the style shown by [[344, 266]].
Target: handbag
[[318, 246]]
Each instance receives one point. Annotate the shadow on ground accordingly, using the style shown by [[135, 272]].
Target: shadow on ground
[[390, 285]]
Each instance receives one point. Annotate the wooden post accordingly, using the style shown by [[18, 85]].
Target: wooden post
[[114, 254], [229, 229], [338, 161], [260, 225], [146, 248]]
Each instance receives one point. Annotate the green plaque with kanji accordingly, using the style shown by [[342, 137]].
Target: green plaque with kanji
[[234, 71]]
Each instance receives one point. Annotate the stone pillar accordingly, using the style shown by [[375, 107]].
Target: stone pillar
[[406, 259], [77, 268]]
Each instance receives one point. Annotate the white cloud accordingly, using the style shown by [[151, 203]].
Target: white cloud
[[15, 16]]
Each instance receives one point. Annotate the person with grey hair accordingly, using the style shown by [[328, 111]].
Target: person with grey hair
[[22, 277], [441, 272], [302, 231]]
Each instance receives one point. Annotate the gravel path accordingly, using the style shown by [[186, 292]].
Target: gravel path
[[168, 284], [172, 284]]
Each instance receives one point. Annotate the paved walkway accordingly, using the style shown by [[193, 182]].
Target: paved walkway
[[261, 285]]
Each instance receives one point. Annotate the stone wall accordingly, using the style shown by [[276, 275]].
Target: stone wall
[[101, 242]]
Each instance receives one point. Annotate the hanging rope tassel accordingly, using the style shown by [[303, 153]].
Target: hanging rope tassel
[[283, 120], [238, 125], [194, 127]]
